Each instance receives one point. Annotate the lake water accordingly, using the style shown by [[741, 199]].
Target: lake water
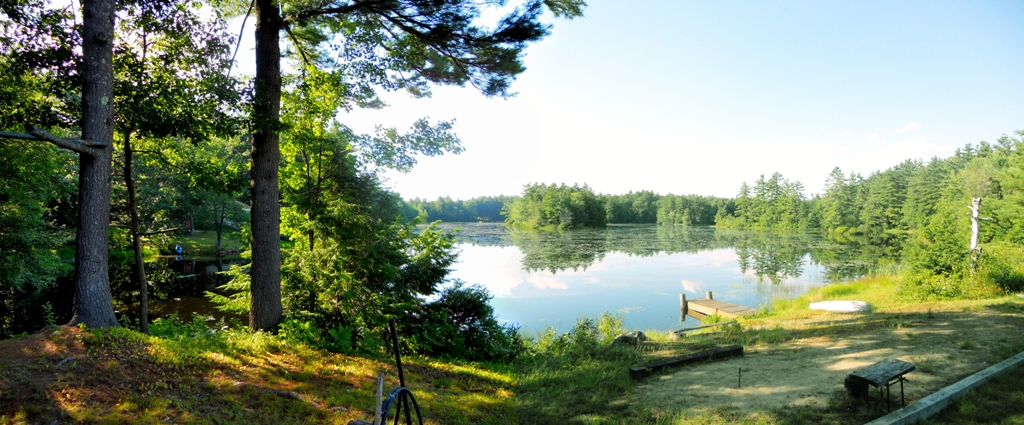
[[549, 279]]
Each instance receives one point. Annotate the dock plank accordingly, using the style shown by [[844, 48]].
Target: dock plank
[[708, 307]]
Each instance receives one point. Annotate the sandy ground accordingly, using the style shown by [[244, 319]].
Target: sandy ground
[[809, 372]]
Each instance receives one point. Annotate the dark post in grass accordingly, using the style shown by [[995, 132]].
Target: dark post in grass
[[401, 374]]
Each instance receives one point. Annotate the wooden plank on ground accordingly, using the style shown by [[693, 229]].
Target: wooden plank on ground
[[643, 371], [697, 328]]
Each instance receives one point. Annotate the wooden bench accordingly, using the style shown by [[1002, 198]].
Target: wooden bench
[[884, 373]]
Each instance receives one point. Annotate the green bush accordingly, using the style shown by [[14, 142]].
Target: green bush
[[1003, 270], [460, 323]]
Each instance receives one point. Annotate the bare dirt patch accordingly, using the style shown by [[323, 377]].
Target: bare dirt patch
[[808, 371]]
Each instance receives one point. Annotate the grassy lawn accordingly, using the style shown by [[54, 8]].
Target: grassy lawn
[[998, 401], [201, 242], [199, 375]]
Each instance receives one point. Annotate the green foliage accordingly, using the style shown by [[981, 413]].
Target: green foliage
[[772, 204], [460, 323], [37, 210], [575, 374], [692, 209], [556, 207], [638, 207], [1004, 268], [483, 208], [609, 326]]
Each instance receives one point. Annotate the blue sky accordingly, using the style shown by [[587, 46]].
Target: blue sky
[[697, 97]]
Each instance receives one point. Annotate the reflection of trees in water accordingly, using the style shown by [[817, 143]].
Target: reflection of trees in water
[[772, 257], [768, 291], [556, 251], [170, 278]]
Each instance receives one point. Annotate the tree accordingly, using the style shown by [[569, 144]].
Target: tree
[[170, 84], [390, 44], [34, 27]]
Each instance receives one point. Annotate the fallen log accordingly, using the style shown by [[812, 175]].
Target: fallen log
[[643, 371]]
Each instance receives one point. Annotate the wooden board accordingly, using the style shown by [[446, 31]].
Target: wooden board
[[697, 328], [882, 372], [643, 371], [706, 307]]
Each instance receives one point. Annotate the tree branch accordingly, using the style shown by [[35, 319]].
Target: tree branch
[[80, 146], [340, 10], [298, 46], [35, 133], [157, 232]]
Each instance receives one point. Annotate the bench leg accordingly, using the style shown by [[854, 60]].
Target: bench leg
[[903, 400]]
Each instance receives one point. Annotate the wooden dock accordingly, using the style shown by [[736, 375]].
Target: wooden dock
[[702, 307]]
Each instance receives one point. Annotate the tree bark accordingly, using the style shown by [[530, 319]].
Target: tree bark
[[93, 305], [136, 229], [265, 299], [221, 212]]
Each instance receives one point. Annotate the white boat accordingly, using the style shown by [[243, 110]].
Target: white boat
[[841, 306]]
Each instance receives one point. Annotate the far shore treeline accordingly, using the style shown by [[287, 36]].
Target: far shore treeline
[[927, 196]]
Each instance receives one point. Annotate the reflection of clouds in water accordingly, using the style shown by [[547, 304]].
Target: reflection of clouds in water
[[494, 268], [546, 281], [499, 269], [718, 257], [704, 259], [689, 286]]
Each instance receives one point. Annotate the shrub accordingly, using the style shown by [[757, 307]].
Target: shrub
[[460, 323]]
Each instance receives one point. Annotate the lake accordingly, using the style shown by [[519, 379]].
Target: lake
[[550, 278]]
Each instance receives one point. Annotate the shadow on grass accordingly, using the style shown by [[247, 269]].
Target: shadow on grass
[[123, 377]]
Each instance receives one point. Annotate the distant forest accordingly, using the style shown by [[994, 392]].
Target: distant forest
[[562, 206], [931, 196]]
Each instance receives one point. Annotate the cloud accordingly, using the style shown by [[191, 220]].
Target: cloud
[[873, 137], [909, 127], [848, 133]]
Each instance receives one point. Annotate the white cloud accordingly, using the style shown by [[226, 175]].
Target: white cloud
[[848, 133], [873, 137]]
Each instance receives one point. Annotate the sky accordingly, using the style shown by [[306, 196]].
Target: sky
[[690, 97]]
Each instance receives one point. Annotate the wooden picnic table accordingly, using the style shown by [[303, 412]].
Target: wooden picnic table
[[884, 373]]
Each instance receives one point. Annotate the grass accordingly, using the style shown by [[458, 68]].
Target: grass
[[201, 242], [1000, 400], [200, 375]]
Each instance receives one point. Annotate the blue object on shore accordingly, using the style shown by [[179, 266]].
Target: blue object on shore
[[177, 248]]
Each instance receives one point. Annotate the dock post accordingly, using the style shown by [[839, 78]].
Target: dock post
[[709, 295], [683, 308]]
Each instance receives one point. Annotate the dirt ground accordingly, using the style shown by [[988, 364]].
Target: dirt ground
[[808, 372]]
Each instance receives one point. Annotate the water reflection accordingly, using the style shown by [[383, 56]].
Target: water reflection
[[176, 286], [769, 256], [544, 279]]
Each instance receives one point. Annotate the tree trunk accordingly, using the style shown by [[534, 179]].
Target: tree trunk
[[93, 305], [265, 300], [975, 250], [133, 211], [221, 211]]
